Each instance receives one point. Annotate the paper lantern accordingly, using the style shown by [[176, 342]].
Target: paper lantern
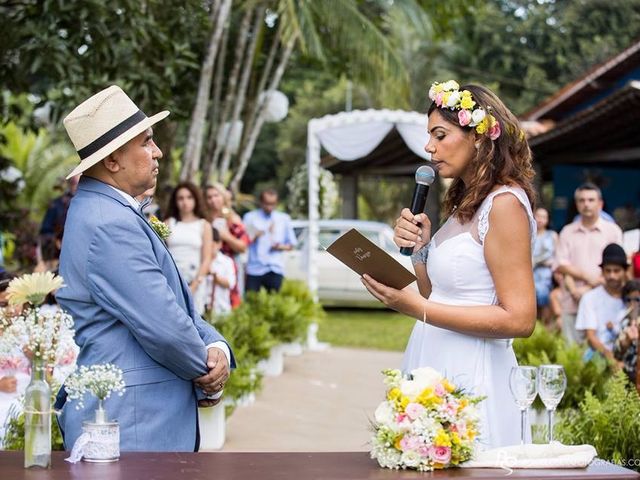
[[277, 105]]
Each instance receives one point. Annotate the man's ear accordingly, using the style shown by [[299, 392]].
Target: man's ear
[[111, 163]]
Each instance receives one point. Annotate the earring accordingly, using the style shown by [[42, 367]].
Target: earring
[[477, 146]]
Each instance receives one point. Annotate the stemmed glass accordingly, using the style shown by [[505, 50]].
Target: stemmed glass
[[552, 383], [522, 382]]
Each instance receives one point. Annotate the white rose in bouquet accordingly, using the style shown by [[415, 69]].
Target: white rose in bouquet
[[384, 413], [411, 388], [426, 377]]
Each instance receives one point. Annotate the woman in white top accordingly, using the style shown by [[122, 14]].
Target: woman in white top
[[190, 239], [475, 275]]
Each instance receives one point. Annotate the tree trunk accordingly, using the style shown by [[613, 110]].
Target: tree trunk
[[247, 151], [256, 104], [243, 35], [193, 147], [214, 115], [242, 89]]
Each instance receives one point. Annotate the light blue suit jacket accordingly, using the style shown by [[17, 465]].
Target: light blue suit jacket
[[131, 308]]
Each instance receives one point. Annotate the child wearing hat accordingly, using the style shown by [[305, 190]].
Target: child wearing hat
[[600, 310]]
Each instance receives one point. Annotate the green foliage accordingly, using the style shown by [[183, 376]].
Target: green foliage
[[310, 310], [544, 347], [611, 423], [14, 434], [528, 50], [281, 313], [247, 332], [44, 162], [260, 322]]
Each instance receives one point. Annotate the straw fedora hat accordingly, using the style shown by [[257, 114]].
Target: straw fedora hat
[[103, 123]]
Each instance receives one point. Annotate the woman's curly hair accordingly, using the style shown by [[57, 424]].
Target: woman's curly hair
[[504, 161]]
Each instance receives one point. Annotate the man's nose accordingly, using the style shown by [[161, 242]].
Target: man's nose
[[157, 153]]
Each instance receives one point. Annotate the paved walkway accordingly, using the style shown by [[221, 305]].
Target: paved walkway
[[322, 402]]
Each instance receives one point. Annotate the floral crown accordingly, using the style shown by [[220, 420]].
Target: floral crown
[[448, 95]]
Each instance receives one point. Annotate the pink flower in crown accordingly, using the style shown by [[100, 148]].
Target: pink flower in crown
[[440, 390], [438, 99], [461, 428], [409, 442], [464, 117], [494, 132], [440, 454], [414, 410]]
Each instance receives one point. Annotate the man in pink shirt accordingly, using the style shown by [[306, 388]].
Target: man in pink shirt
[[579, 250]]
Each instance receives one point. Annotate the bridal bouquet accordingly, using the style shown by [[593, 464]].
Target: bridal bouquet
[[425, 423]]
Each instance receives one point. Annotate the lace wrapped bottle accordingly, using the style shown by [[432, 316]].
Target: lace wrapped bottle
[[37, 418]]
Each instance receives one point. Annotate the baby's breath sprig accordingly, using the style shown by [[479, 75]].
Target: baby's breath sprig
[[100, 380]]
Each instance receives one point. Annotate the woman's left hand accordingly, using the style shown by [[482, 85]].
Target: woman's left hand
[[391, 297]]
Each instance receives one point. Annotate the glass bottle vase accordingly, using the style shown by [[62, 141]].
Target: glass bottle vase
[[37, 418]]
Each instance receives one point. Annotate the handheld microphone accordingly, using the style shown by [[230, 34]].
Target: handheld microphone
[[425, 176]]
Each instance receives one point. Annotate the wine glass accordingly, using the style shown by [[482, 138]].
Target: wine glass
[[522, 382], [552, 383]]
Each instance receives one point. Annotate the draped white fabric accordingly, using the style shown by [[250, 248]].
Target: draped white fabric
[[350, 142], [349, 136]]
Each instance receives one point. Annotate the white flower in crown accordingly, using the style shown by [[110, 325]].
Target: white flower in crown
[[432, 92], [477, 116], [453, 99], [450, 85]]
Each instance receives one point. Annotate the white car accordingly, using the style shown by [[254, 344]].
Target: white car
[[338, 285]]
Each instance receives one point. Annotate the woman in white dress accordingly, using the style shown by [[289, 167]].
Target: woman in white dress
[[475, 275], [190, 239]]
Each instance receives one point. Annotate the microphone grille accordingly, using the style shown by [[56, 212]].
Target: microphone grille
[[425, 175]]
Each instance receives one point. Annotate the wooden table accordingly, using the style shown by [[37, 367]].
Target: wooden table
[[268, 466]]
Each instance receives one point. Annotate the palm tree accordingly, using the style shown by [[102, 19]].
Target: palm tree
[[265, 35]]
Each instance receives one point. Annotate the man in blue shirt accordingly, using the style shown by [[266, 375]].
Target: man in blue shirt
[[271, 234]]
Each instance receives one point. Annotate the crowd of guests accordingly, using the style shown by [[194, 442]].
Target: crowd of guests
[[586, 283], [220, 254]]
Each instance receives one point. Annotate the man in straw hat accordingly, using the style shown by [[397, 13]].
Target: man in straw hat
[[130, 305]]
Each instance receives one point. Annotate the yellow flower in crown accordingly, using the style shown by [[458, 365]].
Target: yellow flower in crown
[[483, 126], [448, 95], [466, 102]]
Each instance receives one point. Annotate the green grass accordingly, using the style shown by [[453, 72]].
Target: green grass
[[375, 329]]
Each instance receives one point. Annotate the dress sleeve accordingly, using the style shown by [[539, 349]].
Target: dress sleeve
[[483, 218]]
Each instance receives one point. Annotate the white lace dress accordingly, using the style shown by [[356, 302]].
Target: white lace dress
[[459, 276], [185, 245]]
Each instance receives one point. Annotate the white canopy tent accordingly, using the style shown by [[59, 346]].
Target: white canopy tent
[[350, 136]]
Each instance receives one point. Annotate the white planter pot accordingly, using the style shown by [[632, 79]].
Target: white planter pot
[[312, 339], [274, 365], [246, 400], [213, 425], [292, 349]]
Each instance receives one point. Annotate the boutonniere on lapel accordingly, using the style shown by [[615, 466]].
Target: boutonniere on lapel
[[160, 227]]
